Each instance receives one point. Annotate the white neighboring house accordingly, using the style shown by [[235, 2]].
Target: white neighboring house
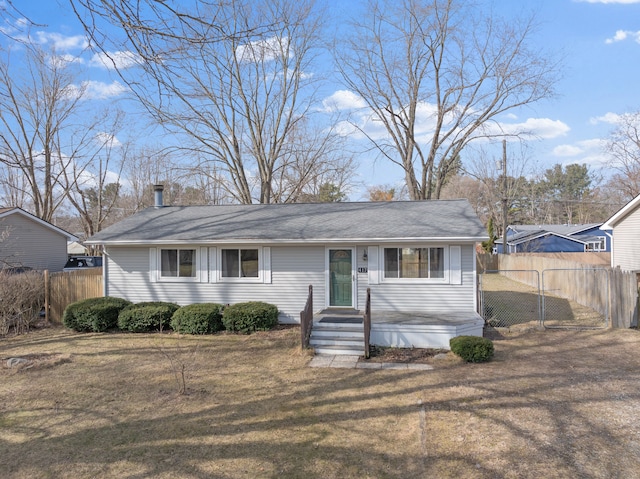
[[415, 257], [625, 249]]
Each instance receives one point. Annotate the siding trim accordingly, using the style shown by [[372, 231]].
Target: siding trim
[[455, 265]]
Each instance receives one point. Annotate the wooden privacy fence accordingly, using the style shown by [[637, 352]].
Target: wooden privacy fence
[[66, 287], [586, 284]]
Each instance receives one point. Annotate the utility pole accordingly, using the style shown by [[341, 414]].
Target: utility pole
[[505, 249]]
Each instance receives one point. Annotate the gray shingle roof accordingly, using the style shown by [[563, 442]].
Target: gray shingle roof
[[318, 222]]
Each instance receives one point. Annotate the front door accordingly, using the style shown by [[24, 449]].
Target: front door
[[340, 277]]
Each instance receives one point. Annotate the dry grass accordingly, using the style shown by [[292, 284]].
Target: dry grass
[[514, 303], [552, 404]]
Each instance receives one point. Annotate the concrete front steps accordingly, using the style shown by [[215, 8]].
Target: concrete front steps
[[337, 338]]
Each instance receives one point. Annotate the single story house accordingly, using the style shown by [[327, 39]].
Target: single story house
[[416, 257], [555, 239], [27, 241], [625, 224]]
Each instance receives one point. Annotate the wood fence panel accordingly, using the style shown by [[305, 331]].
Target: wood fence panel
[[624, 299], [70, 286]]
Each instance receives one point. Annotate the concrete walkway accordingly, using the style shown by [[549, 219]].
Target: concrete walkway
[[351, 362]]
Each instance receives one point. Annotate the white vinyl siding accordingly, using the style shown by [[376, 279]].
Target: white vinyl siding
[[626, 242], [455, 295], [292, 270], [31, 244]]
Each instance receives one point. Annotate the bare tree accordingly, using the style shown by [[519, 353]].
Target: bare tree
[[437, 74], [48, 137], [624, 147], [232, 80]]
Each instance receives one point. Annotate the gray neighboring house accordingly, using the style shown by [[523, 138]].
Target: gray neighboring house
[[28, 241], [625, 250], [416, 257]]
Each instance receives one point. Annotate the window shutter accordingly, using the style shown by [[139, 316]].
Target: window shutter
[[373, 259], [213, 265], [455, 265], [203, 268], [153, 265], [266, 265]]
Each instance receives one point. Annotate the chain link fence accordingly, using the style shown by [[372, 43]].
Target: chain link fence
[[509, 298], [553, 298]]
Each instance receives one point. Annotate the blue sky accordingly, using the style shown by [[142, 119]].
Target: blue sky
[[598, 40]]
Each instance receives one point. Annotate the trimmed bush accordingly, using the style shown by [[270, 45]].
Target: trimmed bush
[[250, 316], [202, 318], [473, 349], [94, 314], [146, 316]]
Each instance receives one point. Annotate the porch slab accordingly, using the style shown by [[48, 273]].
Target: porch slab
[[409, 329]]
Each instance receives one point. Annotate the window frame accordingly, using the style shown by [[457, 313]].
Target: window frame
[[240, 279], [178, 278], [601, 245], [446, 264]]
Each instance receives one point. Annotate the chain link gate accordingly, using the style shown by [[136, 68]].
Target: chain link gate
[[510, 297], [557, 298]]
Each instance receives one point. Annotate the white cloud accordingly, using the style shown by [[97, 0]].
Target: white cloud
[[590, 152], [622, 35], [111, 60], [62, 60], [108, 140], [96, 90], [609, 117], [588, 147], [343, 100], [60, 42], [263, 50], [543, 128]]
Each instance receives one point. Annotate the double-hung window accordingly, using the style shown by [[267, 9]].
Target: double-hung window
[[239, 263], [414, 263], [178, 263]]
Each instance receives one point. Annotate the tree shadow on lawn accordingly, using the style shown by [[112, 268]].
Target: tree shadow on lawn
[[480, 420]]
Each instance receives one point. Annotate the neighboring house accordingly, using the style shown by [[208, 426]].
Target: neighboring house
[[415, 256], [26, 241], [625, 224], [555, 239]]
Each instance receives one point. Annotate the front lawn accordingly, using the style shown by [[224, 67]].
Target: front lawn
[[550, 404]]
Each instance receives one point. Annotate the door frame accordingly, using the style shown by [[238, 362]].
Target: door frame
[[354, 276]]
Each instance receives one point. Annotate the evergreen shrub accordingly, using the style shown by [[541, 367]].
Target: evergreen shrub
[[147, 316], [473, 349], [250, 316], [94, 314], [201, 318]]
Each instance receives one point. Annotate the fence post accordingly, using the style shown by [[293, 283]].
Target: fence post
[[47, 295]]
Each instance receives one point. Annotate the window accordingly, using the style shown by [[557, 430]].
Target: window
[[178, 263], [240, 263], [599, 245], [414, 263]]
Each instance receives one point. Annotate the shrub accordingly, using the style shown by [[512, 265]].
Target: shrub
[[94, 314], [250, 316], [21, 299], [472, 349], [203, 318], [146, 316]]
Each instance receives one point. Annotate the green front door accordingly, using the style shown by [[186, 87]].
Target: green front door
[[340, 277]]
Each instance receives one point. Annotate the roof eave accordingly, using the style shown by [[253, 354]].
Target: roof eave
[[453, 239]]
